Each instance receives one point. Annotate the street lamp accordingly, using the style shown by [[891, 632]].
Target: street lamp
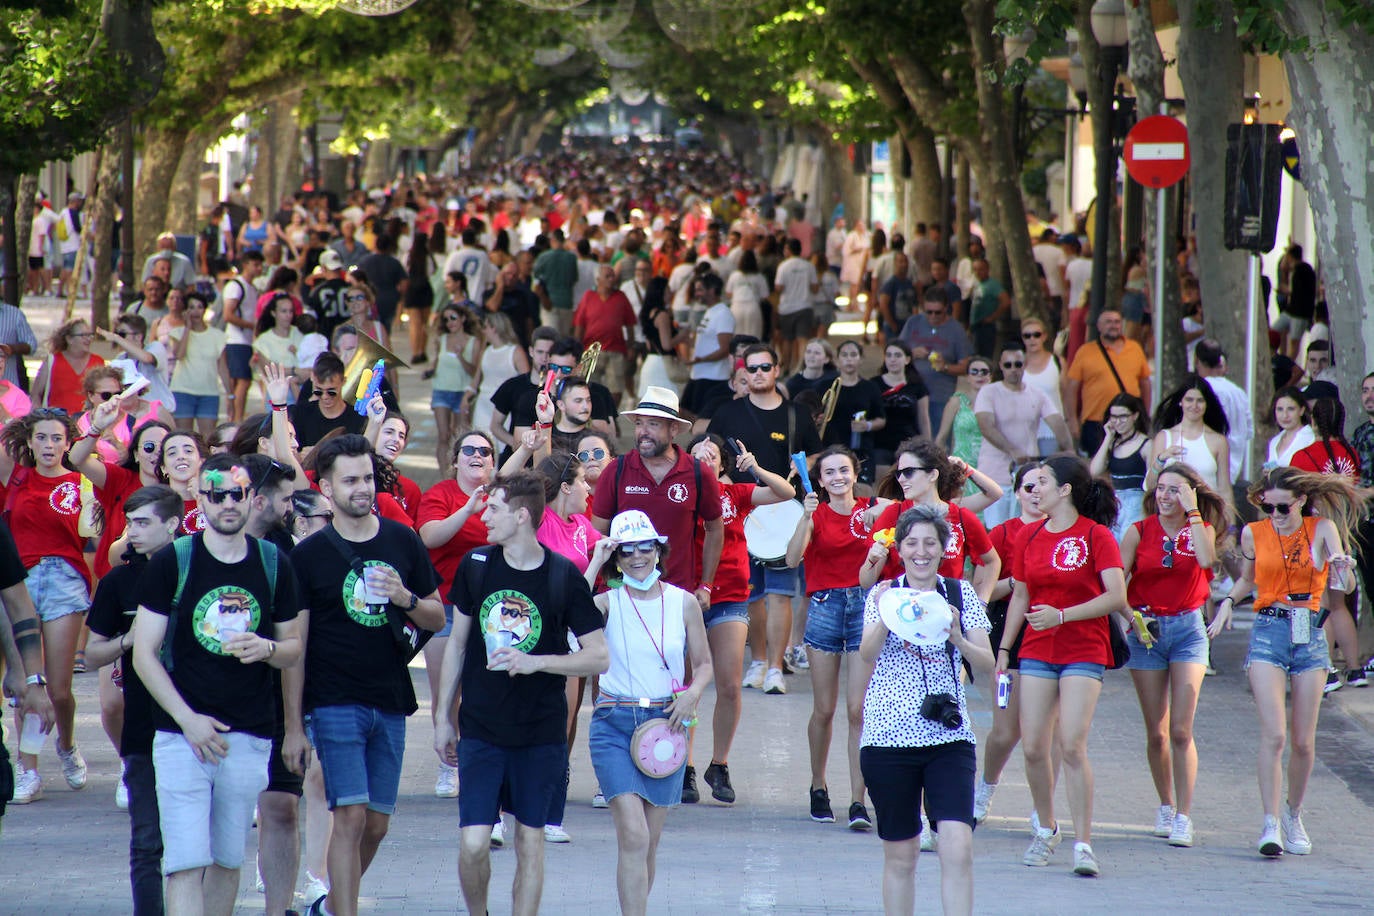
[[1109, 28]]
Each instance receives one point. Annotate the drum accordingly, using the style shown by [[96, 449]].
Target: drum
[[767, 529]]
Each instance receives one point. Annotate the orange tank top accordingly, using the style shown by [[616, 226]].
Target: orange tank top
[[1283, 566]]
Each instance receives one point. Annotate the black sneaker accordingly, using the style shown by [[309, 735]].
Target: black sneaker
[[1333, 682], [717, 776], [690, 795], [1356, 677], [316, 907], [858, 817], [820, 807]]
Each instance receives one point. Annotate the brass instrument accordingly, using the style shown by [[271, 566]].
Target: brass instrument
[[587, 364], [367, 354], [828, 402]]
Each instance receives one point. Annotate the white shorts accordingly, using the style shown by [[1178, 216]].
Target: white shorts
[[206, 809]]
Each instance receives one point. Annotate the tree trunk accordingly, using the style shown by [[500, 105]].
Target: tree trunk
[[1146, 70], [377, 165], [161, 153], [1211, 57], [1001, 179], [102, 211], [280, 162], [1100, 102], [183, 202], [927, 182], [9, 247], [963, 205], [1333, 114], [26, 193]]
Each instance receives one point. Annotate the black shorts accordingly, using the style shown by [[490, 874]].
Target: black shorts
[[36, 263], [517, 780], [279, 778], [997, 614], [899, 777]]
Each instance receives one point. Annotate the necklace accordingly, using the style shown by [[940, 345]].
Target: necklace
[[662, 625]]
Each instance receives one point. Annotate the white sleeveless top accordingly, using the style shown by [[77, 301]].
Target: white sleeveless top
[[1047, 380], [633, 626], [1197, 456]]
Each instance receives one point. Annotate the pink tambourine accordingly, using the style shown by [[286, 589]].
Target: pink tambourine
[[657, 750]]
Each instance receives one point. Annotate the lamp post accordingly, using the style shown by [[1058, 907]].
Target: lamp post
[[1109, 28]]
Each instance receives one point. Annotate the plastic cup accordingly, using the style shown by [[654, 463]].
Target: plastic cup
[[31, 736], [501, 639], [372, 591]]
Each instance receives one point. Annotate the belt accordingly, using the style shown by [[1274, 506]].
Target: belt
[[1283, 613], [607, 699], [1146, 612]]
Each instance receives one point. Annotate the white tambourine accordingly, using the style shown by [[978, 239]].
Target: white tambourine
[[657, 750], [920, 618]]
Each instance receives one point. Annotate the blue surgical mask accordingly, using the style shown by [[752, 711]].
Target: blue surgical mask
[[643, 585]]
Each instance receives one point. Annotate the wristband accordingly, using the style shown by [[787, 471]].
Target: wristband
[[705, 585], [271, 648], [541, 425], [1226, 598], [1004, 649], [276, 406], [1061, 616], [36, 680]]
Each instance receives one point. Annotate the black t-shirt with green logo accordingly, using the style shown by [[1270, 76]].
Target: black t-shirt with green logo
[[219, 599], [537, 607], [350, 653]]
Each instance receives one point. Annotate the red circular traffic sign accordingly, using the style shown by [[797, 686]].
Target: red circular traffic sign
[[1156, 151]]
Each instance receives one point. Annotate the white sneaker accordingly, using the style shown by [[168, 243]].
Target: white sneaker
[[554, 833], [800, 661], [1295, 839], [73, 767], [754, 676], [1035, 822], [1042, 846], [773, 682], [445, 783], [1182, 832], [257, 878], [599, 801], [1164, 820], [121, 791], [28, 787], [1270, 842], [1084, 862], [314, 888], [982, 799], [498, 835], [930, 840]]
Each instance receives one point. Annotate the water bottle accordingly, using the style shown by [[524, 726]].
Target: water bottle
[[1003, 690], [855, 438], [31, 736]]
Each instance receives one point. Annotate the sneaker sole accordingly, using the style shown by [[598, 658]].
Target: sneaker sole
[[1086, 871], [823, 820], [1271, 850], [1181, 843], [38, 796], [1297, 850], [860, 826]]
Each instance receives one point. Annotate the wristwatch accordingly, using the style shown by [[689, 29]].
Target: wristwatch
[[414, 601], [36, 680]]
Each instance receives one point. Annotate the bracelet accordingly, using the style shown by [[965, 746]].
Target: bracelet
[[1226, 598], [705, 585], [276, 406], [539, 424], [1004, 649], [271, 648], [1061, 616]]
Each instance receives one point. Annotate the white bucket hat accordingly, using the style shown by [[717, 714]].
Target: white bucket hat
[[632, 527]]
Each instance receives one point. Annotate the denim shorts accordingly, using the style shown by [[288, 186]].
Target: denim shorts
[[450, 399], [518, 780], [206, 809], [196, 406], [360, 750], [1182, 640], [57, 589], [835, 619], [764, 580], [69, 260], [726, 611], [239, 358], [1031, 667], [448, 623], [1271, 642], [608, 740]]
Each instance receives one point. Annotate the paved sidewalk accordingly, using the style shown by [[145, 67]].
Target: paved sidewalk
[[67, 854]]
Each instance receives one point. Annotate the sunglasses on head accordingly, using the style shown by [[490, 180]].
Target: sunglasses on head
[[904, 473], [1270, 508], [1017, 364], [468, 451], [591, 454], [218, 496], [49, 413], [1168, 561], [759, 367], [629, 550], [1032, 335]]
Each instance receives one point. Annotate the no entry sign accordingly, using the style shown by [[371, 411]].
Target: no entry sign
[[1156, 151]]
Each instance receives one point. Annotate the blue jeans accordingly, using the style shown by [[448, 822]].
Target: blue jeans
[[360, 752]]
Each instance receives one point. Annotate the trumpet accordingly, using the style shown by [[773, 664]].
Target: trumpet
[[587, 364], [828, 402]]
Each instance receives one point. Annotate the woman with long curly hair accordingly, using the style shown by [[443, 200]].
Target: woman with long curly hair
[[1298, 550], [59, 380]]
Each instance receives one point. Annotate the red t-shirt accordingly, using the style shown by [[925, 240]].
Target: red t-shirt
[[1064, 569], [192, 519], [968, 539], [1318, 459], [670, 504], [388, 506], [43, 516], [603, 320], [439, 502], [1002, 537], [408, 495], [732, 574], [120, 484], [839, 545], [1175, 590]]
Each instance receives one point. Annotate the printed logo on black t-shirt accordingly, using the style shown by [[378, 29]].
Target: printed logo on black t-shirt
[[512, 612], [1070, 554], [360, 610], [65, 498], [222, 613]]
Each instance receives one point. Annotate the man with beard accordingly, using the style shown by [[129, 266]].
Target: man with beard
[[574, 416], [1099, 372], [564, 358], [361, 577], [226, 606]]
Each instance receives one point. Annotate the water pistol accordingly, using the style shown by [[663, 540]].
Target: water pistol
[[799, 462], [369, 385]]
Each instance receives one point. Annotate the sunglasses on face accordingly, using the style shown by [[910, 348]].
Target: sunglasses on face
[[354, 299], [1013, 365], [591, 454], [329, 392], [1168, 561], [1118, 416], [907, 473], [1270, 508], [483, 451], [1032, 335], [759, 367], [149, 448], [453, 317], [645, 547], [1027, 488], [980, 371], [562, 370], [106, 395], [218, 496]]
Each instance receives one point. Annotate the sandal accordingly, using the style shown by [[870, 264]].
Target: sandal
[[79, 664]]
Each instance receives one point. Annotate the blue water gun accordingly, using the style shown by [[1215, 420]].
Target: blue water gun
[[369, 385]]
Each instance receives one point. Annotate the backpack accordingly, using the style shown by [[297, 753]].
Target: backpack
[[219, 320], [477, 579], [267, 552]]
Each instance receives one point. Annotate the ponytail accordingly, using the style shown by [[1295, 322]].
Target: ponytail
[[1099, 502]]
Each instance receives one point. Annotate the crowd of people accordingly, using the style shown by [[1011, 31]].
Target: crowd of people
[[252, 585]]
